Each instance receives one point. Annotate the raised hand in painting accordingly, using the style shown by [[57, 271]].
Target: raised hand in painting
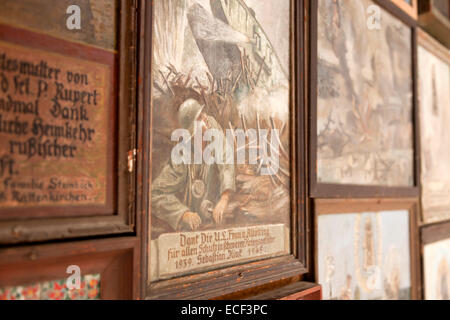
[[192, 219], [220, 208]]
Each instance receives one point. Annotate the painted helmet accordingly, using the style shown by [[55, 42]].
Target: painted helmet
[[188, 114]]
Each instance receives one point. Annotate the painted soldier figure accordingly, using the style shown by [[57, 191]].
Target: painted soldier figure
[[187, 196]]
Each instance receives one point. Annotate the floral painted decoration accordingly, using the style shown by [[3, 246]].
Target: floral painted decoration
[[55, 290]]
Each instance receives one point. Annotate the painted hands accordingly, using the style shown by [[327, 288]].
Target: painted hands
[[192, 219], [220, 208]]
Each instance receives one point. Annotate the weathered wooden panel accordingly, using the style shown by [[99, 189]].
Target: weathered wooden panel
[[56, 121]]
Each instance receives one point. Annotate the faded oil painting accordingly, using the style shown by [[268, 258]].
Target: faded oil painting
[[364, 106], [437, 270], [219, 66], [434, 97], [364, 256]]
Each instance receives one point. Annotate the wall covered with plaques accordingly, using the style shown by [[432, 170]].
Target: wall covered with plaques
[[225, 149]]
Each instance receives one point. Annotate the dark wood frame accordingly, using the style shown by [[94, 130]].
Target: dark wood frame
[[116, 260], [412, 10], [427, 42], [231, 280], [345, 206], [434, 21], [428, 5], [432, 45], [74, 222], [295, 291], [435, 232], [431, 234], [324, 190]]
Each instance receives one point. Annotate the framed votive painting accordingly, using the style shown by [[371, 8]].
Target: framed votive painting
[[223, 177], [367, 250], [363, 100], [434, 111], [436, 261]]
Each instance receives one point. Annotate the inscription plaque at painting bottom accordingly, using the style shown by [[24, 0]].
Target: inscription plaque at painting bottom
[[187, 252]]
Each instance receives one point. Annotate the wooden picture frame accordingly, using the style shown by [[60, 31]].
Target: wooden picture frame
[[296, 291], [49, 223], [432, 57], [427, 41], [333, 190], [410, 9], [323, 207], [228, 281], [115, 260], [429, 235], [434, 20], [435, 232]]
